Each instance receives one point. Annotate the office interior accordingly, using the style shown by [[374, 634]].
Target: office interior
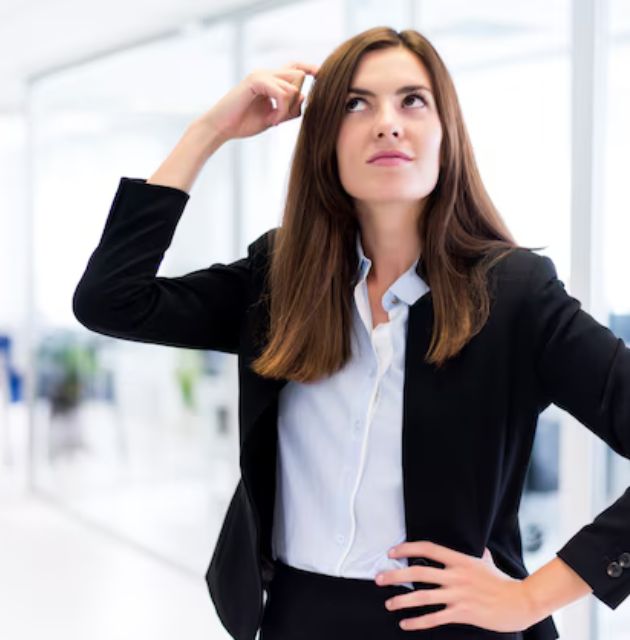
[[118, 459]]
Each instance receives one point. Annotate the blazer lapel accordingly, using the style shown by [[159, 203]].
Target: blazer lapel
[[259, 393]]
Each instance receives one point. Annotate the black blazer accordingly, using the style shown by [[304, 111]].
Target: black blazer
[[467, 430]]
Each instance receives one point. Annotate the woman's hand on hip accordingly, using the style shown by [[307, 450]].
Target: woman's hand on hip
[[473, 589]]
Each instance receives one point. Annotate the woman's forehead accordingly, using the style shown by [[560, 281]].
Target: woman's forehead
[[390, 69]]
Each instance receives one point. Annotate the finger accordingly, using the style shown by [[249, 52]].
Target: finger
[[284, 109], [276, 114], [290, 94], [282, 96], [307, 67], [432, 550], [289, 106], [289, 87], [430, 575], [295, 108], [276, 88], [430, 619], [293, 76], [422, 597]]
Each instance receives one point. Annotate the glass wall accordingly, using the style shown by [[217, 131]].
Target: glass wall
[[139, 438], [616, 230], [14, 266]]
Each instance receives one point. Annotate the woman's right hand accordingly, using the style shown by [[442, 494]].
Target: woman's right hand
[[247, 109]]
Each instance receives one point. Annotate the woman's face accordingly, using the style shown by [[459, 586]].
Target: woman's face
[[370, 124]]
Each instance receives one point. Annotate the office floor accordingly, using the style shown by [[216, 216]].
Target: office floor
[[63, 580]]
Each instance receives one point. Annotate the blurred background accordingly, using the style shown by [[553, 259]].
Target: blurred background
[[118, 459]]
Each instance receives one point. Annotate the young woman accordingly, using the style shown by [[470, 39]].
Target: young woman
[[395, 348]]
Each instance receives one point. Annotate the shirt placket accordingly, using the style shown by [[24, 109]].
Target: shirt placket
[[381, 341]]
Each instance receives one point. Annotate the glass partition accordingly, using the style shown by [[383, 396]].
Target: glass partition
[[141, 439]]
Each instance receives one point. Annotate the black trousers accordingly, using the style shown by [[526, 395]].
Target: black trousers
[[302, 605]]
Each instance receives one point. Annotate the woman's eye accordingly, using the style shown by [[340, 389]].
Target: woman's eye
[[350, 102], [411, 95], [415, 95]]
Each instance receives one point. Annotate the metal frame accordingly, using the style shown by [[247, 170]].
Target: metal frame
[[582, 456]]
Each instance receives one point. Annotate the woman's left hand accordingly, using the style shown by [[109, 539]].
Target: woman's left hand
[[473, 589]]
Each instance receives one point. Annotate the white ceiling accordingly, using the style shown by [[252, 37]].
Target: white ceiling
[[40, 36], [37, 36]]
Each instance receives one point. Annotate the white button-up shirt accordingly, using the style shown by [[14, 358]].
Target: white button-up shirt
[[339, 499]]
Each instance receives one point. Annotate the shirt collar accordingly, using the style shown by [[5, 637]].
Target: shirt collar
[[408, 287]]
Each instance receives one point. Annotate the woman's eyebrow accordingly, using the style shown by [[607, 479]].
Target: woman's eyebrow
[[406, 89]]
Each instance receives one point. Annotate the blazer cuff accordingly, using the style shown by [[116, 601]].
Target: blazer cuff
[[605, 567]]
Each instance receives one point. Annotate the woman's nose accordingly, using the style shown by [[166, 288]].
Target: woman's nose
[[386, 123], [392, 131]]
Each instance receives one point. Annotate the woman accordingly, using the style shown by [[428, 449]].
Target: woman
[[395, 349]]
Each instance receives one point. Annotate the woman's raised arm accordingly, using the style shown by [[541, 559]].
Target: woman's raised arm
[[119, 293]]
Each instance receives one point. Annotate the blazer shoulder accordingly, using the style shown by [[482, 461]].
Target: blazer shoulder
[[260, 248], [259, 252], [520, 264]]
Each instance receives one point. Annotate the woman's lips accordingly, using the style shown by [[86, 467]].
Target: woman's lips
[[390, 162]]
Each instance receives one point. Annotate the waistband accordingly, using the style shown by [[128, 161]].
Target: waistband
[[311, 606]]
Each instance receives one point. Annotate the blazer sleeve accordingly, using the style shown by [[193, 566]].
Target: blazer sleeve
[[584, 368], [120, 295]]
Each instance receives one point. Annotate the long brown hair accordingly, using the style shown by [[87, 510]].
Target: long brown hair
[[313, 253]]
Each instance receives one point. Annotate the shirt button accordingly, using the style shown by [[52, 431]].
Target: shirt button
[[624, 560], [614, 570], [339, 538]]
